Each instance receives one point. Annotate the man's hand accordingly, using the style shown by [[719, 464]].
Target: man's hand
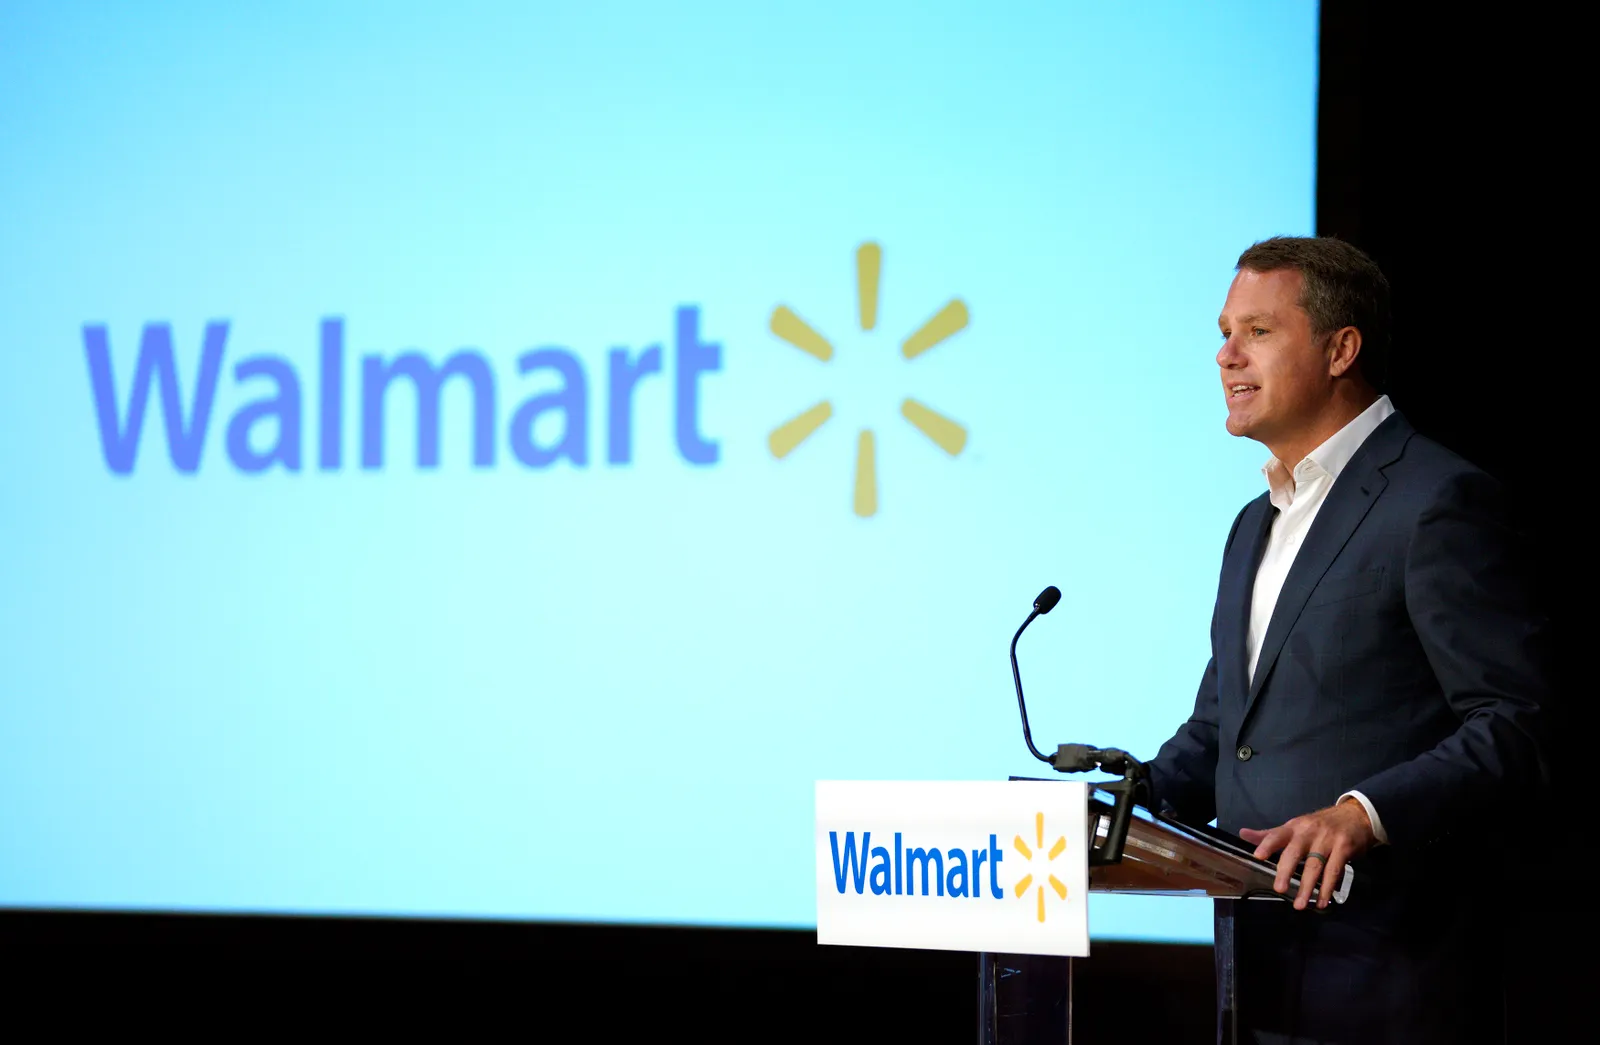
[[1333, 835]]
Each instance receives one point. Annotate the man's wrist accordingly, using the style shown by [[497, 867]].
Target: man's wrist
[[1349, 802], [1368, 813]]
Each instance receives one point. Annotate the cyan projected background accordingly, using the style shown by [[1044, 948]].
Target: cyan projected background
[[532, 680]]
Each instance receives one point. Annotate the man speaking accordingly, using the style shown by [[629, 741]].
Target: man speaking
[[1377, 667]]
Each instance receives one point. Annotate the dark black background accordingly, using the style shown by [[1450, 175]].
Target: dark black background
[[1444, 151]]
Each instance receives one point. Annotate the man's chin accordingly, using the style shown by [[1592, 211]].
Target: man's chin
[[1247, 427]]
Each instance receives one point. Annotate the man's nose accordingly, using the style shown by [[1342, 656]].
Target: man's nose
[[1229, 357]]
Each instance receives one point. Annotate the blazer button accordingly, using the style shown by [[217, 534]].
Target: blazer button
[[1244, 752]]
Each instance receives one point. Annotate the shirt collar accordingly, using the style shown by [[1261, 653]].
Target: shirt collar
[[1328, 459]]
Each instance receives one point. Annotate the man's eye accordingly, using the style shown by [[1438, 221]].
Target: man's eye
[[1258, 331]]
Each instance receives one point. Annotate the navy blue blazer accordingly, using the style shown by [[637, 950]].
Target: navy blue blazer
[[1405, 659]]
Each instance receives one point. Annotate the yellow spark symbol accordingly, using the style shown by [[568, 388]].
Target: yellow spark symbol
[[1026, 881], [945, 433]]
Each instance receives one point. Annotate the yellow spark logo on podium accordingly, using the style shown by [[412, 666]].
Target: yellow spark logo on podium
[[1026, 881], [946, 434]]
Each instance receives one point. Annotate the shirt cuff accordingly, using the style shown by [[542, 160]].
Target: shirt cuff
[[1372, 814]]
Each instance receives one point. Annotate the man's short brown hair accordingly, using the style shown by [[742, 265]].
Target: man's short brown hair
[[1340, 287]]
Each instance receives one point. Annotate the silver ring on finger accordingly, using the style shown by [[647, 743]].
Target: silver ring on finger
[[1316, 856]]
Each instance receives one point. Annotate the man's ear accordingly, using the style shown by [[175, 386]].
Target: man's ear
[[1344, 347]]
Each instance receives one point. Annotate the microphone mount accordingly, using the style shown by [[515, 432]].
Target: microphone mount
[[1086, 758]]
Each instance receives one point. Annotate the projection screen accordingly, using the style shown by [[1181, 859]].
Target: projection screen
[[489, 460]]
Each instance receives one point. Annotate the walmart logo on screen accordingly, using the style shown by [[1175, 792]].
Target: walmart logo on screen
[[545, 427], [953, 872], [278, 415]]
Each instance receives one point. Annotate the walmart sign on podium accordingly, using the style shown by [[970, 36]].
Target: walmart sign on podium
[[948, 865]]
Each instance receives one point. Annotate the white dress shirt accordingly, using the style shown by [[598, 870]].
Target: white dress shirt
[[1298, 496]]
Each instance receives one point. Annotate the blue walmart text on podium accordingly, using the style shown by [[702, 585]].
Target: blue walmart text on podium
[[894, 874]]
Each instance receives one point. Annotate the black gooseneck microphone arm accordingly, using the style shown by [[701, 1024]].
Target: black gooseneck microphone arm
[[1043, 604], [1086, 758], [1069, 758]]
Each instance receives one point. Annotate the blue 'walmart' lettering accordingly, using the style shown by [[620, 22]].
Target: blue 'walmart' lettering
[[267, 431], [950, 871]]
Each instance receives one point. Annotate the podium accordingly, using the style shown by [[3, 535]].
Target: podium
[[1027, 998], [1005, 869]]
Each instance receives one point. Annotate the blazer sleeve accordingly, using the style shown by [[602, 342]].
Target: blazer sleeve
[[1469, 598], [1184, 772]]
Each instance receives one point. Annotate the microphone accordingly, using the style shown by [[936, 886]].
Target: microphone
[[1069, 758], [1043, 604]]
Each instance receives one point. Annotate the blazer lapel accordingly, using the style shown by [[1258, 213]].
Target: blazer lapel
[[1352, 496], [1237, 583]]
